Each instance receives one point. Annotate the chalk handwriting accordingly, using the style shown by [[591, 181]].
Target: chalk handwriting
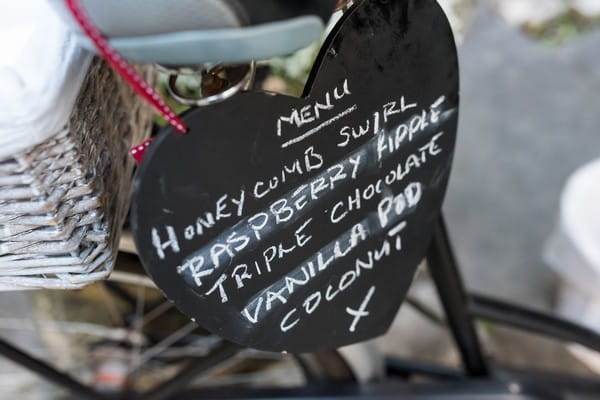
[[316, 129], [313, 112], [327, 257], [330, 292], [300, 201], [406, 131], [221, 267], [362, 309], [311, 161]]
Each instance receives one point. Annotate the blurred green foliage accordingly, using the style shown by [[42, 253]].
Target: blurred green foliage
[[563, 28]]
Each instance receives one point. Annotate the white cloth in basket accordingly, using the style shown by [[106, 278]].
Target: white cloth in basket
[[41, 71], [573, 251]]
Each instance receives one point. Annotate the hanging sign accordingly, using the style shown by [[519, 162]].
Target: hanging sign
[[297, 224]]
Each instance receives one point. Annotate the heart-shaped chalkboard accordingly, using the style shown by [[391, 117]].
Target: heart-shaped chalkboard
[[297, 224]]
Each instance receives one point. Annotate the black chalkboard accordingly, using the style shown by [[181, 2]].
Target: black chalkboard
[[297, 224]]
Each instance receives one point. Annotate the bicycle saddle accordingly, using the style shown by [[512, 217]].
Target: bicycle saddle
[[192, 32]]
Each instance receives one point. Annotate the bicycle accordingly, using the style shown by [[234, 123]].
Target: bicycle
[[480, 378]]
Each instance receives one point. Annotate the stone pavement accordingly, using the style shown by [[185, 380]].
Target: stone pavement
[[584, 57], [529, 117]]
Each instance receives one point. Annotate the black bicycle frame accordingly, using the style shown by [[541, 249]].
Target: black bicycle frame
[[461, 309], [479, 380]]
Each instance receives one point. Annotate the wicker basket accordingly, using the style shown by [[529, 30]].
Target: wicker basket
[[63, 202]]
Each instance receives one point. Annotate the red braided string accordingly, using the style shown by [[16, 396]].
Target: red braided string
[[123, 68]]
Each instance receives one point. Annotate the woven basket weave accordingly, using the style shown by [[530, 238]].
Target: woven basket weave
[[63, 202]]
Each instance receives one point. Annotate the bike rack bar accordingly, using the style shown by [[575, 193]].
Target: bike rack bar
[[47, 372], [408, 368], [513, 315], [446, 276], [179, 382], [479, 389]]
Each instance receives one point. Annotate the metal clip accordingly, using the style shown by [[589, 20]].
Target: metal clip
[[218, 82]]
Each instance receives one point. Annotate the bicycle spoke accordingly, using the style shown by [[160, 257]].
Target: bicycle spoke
[[156, 312], [131, 279], [136, 327], [112, 308], [75, 328], [163, 345], [168, 389]]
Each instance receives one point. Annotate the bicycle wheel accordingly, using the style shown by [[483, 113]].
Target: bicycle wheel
[[122, 336]]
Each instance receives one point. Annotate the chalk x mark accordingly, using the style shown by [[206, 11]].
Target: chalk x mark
[[361, 312], [319, 127]]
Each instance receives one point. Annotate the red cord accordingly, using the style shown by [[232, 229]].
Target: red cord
[[123, 68]]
